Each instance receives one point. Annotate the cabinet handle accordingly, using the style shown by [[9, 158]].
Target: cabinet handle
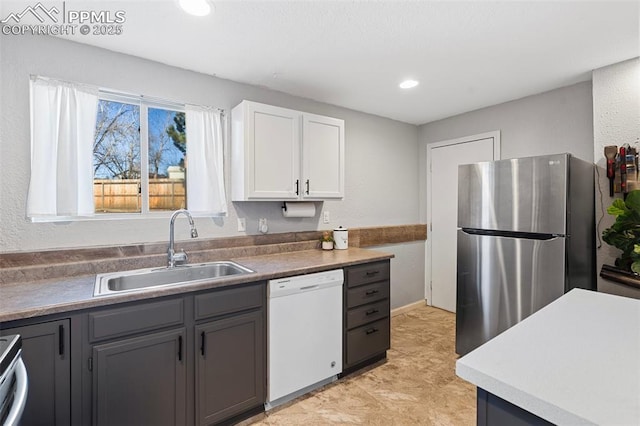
[[371, 312], [372, 330], [179, 348], [372, 273], [371, 292], [297, 186], [202, 343], [307, 183], [61, 339]]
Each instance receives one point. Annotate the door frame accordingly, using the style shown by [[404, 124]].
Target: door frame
[[462, 140]]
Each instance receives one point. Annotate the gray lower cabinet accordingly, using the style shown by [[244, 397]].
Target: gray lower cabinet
[[495, 411], [366, 314], [45, 351], [229, 367], [192, 358], [141, 380], [197, 358]]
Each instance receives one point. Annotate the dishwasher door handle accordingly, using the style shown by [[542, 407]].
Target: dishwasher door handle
[[20, 399], [309, 287]]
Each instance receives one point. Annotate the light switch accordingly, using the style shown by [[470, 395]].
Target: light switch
[[242, 224], [325, 217]]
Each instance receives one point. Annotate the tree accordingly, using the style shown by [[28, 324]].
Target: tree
[[159, 148], [176, 132], [116, 146]]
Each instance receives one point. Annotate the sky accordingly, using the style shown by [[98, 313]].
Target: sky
[[120, 143]]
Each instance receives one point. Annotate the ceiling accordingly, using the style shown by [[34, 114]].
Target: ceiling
[[466, 55]]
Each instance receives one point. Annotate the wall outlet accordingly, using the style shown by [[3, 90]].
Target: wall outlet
[[263, 226], [242, 224], [325, 217]]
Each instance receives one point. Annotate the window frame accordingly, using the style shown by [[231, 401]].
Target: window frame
[[144, 104]]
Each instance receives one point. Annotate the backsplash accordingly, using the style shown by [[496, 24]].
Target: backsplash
[[31, 266]]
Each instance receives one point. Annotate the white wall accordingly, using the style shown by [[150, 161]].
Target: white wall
[[407, 264], [616, 120], [381, 154], [548, 123]]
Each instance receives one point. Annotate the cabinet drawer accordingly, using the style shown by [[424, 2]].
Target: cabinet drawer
[[367, 341], [369, 273], [368, 313], [229, 300], [367, 294], [133, 319]]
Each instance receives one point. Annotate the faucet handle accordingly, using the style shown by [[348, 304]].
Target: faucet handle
[[180, 258]]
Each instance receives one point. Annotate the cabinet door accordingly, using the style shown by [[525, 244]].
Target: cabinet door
[[230, 367], [273, 152], [322, 157], [140, 381], [45, 351]]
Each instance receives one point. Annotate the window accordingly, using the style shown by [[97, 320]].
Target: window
[[139, 152], [96, 153]]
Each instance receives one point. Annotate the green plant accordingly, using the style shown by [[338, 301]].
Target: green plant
[[326, 237], [624, 234]]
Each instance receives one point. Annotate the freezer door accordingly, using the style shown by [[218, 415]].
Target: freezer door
[[521, 195], [501, 281]]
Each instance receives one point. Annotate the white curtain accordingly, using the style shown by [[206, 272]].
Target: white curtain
[[205, 175], [63, 119]]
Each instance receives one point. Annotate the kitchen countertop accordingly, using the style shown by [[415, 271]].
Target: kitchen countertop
[[31, 299], [575, 361]]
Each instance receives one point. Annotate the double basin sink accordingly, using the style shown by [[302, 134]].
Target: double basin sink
[[140, 279]]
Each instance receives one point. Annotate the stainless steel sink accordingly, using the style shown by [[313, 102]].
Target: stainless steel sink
[[119, 282]]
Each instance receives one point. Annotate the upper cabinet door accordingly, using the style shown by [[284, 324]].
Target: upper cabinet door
[[282, 154], [265, 152], [322, 157]]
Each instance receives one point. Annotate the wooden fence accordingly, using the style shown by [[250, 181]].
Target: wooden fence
[[123, 196]]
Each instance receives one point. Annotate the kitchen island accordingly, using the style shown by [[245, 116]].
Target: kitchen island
[[576, 361]]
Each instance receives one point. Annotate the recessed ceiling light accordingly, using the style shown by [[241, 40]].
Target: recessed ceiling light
[[195, 7], [408, 84]]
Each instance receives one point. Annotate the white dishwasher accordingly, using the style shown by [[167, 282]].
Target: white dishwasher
[[305, 334]]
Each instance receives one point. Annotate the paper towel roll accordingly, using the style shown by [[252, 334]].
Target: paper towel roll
[[300, 209]]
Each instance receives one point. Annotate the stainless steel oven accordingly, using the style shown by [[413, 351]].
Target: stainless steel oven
[[13, 380]]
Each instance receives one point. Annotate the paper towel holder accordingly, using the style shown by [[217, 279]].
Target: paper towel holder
[[298, 209]]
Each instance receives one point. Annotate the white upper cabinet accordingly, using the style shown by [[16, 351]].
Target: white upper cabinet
[[282, 154], [322, 157]]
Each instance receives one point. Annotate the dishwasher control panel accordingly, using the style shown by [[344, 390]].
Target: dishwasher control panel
[[302, 283]]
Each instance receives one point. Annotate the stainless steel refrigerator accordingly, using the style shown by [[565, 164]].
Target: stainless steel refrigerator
[[526, 236]]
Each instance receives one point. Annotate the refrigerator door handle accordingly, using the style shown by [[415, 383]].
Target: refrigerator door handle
[[511, 234]]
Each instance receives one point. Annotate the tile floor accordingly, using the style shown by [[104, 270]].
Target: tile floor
[[417, 384]]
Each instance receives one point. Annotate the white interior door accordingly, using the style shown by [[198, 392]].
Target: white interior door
[[443, 159]]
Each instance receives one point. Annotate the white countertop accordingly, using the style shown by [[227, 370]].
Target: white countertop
[[575, 361]]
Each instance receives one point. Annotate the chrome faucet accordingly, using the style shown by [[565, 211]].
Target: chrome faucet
[[180, 258]]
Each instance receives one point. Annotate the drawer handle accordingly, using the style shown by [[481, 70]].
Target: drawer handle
[[372, 273], [372, 330], [371, 312], [371, 292]]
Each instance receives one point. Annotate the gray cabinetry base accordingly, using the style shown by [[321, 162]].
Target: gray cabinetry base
[[495, 411]]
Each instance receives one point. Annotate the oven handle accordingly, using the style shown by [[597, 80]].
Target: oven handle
[[20, 399]]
